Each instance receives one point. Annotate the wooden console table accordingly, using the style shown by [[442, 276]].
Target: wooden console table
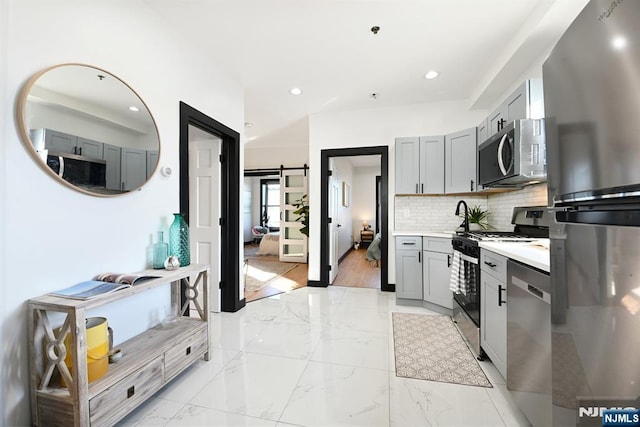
[[149, 361]]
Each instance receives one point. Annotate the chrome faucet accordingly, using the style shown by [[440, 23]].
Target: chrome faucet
[[465, 223]]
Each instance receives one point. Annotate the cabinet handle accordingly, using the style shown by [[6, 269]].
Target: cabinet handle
[[131, 391], [419, 257], [80, 151], [500, 301], [471, 185], [416, 188], [74, 150], [422, 188], [448, 260], [408, 243], [188, 352], [490, 264]]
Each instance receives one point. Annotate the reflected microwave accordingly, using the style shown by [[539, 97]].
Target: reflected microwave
[[515, 156], [78, 170]]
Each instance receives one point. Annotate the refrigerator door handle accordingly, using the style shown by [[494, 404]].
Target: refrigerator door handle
[[500, 148]]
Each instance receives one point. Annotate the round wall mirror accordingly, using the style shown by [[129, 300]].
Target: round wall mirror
[[88, 129]]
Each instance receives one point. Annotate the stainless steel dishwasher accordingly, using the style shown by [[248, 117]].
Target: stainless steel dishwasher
[[529, 341]]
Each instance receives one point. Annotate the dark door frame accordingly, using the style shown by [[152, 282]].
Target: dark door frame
[[229, 197], [325, 155]]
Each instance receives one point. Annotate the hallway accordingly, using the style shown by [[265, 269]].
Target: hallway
[[317, 357], [356, 271]]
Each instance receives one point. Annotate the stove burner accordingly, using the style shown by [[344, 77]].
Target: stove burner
[[497, 236]]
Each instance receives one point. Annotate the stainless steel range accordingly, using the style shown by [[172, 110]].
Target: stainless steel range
[[530, 223]]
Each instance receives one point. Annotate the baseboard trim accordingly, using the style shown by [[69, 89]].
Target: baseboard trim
[[316, 284], [345, 255]]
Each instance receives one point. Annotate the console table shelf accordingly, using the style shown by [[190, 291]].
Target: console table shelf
[[149, 360]]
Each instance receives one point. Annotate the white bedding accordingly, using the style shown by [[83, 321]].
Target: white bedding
[[269, 244]]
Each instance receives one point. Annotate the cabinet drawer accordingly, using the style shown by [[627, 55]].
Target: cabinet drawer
[[437, 244], [119, 399], [408, 243], [183, 354], [494, 264]]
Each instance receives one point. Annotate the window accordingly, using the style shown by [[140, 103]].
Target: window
[[270, 204]]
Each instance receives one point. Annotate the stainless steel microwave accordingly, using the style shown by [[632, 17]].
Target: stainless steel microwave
[[515, 156]]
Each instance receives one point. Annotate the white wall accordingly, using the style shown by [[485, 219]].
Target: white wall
[[379, 127], [272, 157], [55, 237], [343, 172], [364, 198]]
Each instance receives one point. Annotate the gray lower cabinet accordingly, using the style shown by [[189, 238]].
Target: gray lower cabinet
[[461, 165], [409, 267], [436, 271], [493, 308]]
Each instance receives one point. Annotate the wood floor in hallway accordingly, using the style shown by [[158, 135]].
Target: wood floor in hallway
[[356, 271]]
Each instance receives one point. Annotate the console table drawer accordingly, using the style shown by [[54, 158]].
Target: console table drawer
[[183, 354], [116, 401]]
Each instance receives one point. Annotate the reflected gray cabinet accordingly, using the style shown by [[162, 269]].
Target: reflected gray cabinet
[[409, 267], [483, 131], [526, 102], [420, 165], [493, 308], [112, 155], [60, 142], [152, 161], [436, 271], [461, 165], [133, 168]]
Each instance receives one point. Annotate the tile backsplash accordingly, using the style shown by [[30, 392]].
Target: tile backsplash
[[436, 213]]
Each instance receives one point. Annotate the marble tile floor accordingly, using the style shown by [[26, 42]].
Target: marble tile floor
[[317, 357]]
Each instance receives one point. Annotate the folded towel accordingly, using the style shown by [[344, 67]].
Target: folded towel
[[455, 280]]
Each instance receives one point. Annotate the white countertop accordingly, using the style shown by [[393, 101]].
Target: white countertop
[[425, 233], [535, 254]]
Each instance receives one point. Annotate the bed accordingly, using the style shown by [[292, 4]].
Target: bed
[[269, 244]]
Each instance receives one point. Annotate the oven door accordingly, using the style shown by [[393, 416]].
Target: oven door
[[468, 296]]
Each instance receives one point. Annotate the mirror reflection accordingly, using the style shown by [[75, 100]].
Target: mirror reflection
[[88, 129]]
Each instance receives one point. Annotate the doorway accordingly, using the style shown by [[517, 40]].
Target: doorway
[[326, 227], [210, 160]]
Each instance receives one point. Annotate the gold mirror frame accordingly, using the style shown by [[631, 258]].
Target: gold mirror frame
[[86, 105]]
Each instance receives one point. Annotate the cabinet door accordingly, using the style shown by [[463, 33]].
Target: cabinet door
[[90, 148], [431, 165], [409, 274], [152, 161], [461, 161], [516, 104], [60, 142], [436, 274], [133, 168], [407, 165], [113, 156], [493, 321], [496, 121], [483, 131]]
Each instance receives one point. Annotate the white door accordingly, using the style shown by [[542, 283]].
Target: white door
[[293, 244], [204, 206], [334, 226]]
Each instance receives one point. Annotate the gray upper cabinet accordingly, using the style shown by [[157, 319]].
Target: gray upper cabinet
[[431, 165], [461, 164], [112, 155], [407, 165], [59, 142], [152, 161], [483, 131], [420, 165], [526, 102], [133, 168], [89, 148]]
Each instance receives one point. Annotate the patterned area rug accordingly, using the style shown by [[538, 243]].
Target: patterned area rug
[[260, 271], [431, 348]]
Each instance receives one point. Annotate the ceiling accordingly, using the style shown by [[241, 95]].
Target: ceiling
[[327, 49]]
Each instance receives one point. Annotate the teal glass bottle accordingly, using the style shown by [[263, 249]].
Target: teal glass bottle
[[179, 239], [160, 252]]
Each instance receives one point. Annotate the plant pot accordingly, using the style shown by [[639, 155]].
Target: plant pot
[[474, 226]]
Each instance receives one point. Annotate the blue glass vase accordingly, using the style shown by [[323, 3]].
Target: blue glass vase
[[160, 252], [179, 239]]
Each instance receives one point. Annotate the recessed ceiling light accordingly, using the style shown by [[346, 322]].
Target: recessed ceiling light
[[431, 75], [295, 91], [619, 42], [134, 108]]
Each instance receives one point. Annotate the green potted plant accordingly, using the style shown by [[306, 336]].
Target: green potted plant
[[302, 211], [478, 218]]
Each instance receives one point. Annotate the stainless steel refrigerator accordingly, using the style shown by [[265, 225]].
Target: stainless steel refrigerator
[[592, 108]]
